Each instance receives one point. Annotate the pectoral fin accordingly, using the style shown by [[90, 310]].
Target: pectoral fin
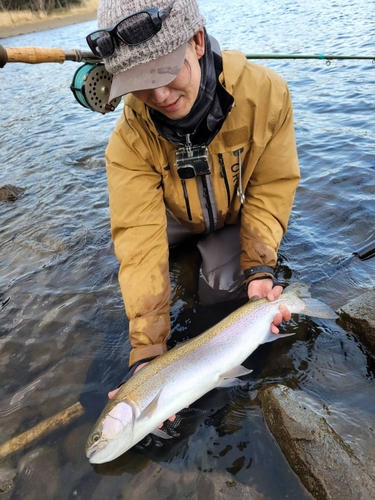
[[231, 377], [151, 407], [161, 434]]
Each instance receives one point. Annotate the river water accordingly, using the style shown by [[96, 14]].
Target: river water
[[60, 304]]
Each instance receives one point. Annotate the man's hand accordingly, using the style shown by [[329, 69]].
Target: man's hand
[[265, 289]]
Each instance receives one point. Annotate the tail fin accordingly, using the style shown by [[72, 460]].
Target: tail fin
[[313, 307]]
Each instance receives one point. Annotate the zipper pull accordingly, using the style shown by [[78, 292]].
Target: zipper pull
[[240, 193], [188, 146]]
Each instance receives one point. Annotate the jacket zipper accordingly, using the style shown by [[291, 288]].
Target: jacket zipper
[[224, 176], [187, 203], [208, 203], [240, 193]]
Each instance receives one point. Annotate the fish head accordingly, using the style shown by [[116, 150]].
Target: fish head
[[112, 435]]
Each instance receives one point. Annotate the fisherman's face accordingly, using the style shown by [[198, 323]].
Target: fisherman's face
[[176, 99]]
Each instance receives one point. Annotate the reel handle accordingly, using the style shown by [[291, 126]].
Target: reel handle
[[37, 55]]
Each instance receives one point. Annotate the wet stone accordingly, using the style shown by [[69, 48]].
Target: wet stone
[[7, 479], [326, 465], [10, 193], [166, 484], [358, 315], [37, 475]]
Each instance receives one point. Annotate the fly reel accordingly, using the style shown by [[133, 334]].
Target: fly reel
[[91, 85]]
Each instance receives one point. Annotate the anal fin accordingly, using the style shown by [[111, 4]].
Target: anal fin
[[271, 337], [230, 377]]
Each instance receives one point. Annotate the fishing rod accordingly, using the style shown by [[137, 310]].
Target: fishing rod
[[91, 82], [37, 55], [306, 56], [366, 252]]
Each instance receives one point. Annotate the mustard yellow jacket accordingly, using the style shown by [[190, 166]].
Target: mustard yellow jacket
[[143, 183]]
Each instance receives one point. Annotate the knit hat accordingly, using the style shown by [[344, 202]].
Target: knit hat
[[157, 61]]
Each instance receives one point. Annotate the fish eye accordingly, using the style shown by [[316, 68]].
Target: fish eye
[[96, 437]]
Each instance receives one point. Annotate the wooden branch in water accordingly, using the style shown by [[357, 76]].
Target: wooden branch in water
[[42, 429]]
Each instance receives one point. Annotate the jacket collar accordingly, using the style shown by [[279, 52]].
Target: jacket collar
[[234, 63]]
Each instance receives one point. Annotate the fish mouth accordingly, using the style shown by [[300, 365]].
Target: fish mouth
[[105, 452], [91, 453], [93, 450]]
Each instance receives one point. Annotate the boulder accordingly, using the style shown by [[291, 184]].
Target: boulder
[[10, 193], [7, 479], [164, 484], [358, 315], [38, 475], [325, 464]]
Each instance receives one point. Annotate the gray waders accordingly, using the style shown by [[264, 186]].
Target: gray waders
[[220, 274]]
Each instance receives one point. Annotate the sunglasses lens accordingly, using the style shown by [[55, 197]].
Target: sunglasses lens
[[136, 29], [101, 43]]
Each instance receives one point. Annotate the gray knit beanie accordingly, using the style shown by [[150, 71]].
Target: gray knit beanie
[[177, 29]]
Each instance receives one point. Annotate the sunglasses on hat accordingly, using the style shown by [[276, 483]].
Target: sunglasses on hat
[[132, 30]]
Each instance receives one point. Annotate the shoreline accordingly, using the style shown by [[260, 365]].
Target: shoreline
[[46, 24]]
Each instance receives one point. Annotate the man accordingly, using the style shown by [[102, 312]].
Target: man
[[205, 146]]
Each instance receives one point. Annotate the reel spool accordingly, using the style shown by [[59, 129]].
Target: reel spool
[[91, 85]]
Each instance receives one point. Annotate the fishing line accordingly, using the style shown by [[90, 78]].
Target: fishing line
[[327, 58]]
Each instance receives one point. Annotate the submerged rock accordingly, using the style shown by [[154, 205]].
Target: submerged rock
[[7, 479], [326, 465], [167, 484], [10, 193], [358, 315], [38, 475]]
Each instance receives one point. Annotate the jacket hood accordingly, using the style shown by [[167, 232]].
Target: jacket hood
[[234, 63]]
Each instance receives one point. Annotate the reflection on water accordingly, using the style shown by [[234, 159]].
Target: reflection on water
[[60, 304]]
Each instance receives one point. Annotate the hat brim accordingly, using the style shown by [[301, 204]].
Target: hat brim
[[150, 75]]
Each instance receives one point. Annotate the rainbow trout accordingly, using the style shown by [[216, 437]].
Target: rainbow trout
[[182, 375]]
